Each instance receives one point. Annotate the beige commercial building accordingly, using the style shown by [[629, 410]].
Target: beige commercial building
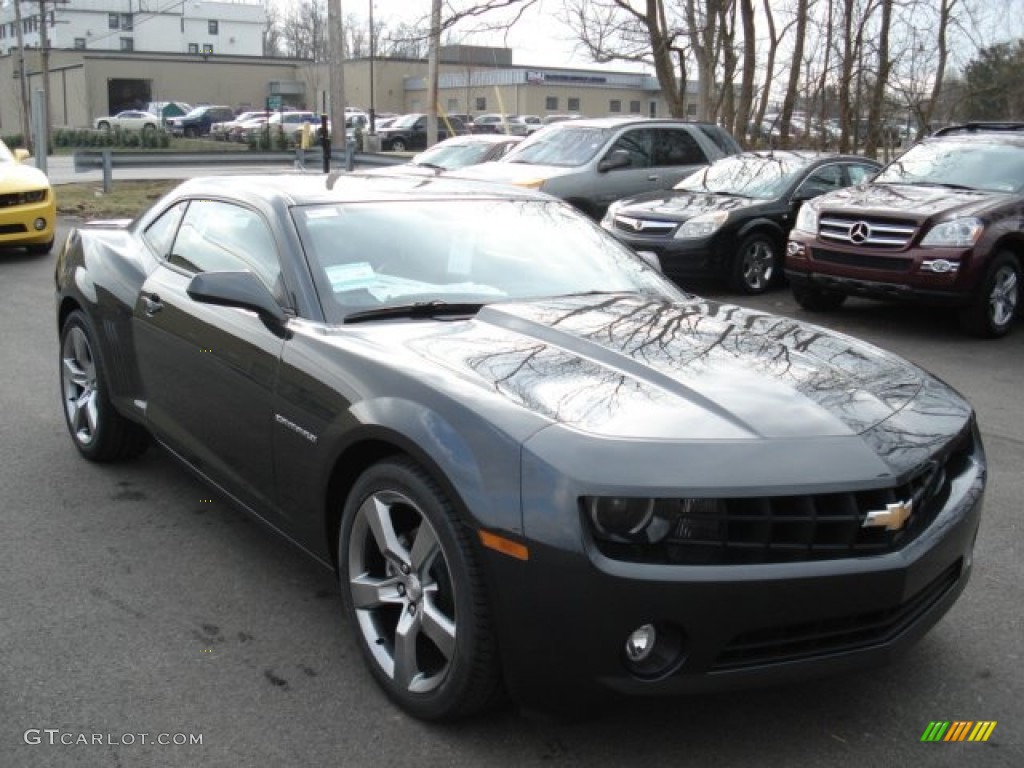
[[89, 84]]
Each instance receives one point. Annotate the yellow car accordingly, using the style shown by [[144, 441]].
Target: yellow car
[[28, 208]]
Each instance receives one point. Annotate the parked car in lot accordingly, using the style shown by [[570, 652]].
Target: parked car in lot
[[129, 120], [943, 224], [222, 131], [731, 219], [199, 121], [496, 123], [290, 122], [28, 208], [500, 426], [458, 152], [410, 132], [591, 163]]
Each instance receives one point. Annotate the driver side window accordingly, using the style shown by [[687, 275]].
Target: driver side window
[[638, 143]]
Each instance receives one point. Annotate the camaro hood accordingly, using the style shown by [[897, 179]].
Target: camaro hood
[[623, 366], [917, 202], [680, 205], [15, 177]]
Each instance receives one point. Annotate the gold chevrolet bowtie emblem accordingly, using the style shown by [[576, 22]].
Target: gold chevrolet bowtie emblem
[[892, 518]]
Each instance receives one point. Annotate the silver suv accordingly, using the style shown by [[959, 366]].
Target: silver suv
[[593, 162]]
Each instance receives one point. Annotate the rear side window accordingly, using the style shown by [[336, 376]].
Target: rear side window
[[721, 139], [160, 234], [677, 147]]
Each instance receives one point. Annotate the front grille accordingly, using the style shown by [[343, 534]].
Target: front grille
[[647, 227], [893, 234], [787, 529], [796, 642], [862, 260], [12, 229]]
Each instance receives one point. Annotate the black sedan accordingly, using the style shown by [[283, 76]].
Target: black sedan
[[410, 132], [538, 467], [731, 219]]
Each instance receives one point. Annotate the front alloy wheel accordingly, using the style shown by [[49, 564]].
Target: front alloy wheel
[[412, 589], [993, 313], [756, 264], [398, 145]]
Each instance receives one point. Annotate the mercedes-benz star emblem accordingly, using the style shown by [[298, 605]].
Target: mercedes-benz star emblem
[[859, 232]]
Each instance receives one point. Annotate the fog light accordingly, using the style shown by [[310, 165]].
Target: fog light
[[640, 643], [39, 224], [655, 650], [794, 249], [620, 515]]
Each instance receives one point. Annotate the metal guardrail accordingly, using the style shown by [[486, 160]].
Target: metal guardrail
[[309, 159]]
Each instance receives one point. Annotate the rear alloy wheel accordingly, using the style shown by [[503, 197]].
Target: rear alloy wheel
[[993, 312], [414, 594], [817, 300], [99, 432], [398, 145], [756, 265]]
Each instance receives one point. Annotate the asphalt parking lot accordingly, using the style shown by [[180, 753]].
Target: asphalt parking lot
[[136, 607]]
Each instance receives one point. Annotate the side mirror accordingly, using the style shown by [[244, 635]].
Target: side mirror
[[240, 289], [617, 158], [21, 155]]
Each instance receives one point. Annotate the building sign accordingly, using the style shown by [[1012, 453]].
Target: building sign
[[534, 78]]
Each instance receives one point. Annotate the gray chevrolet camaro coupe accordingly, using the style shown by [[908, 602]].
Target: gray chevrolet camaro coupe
[[539, 468]]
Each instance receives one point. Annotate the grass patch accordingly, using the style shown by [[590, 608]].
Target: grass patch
[[126, 200]]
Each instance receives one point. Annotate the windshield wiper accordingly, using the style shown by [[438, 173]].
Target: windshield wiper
[[945, 184], [432, 166], [435, 308]]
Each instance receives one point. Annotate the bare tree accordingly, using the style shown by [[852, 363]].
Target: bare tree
[[272, 39]]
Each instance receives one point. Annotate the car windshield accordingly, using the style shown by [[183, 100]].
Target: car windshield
[[405, 121], [568, 147], [451, 156], [982, 165], [466, 251], [762, 177]]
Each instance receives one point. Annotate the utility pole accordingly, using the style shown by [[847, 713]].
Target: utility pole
[[44, 57], [433, 53], [336, 73], [26, 131]]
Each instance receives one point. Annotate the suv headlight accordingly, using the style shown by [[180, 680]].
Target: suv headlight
[[958, 233], [609, 216], [807, 219], [701, 226]]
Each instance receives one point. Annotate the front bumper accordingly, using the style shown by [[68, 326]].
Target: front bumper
[[565, 614], [17, 223], [706, 257]]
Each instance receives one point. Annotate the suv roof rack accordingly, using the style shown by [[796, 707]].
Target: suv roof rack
[[979, 127]]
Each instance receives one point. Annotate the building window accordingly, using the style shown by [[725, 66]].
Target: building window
[[114, 20], [212, 26], [481, 103], [193, 47], [453, 105], [79, 43], [126, 22], [634, 107], [691, 110], [127, 44], [207, 49], [614, 105], [551, 103], [573, 104]]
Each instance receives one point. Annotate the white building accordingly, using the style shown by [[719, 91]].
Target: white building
[[200, 27]]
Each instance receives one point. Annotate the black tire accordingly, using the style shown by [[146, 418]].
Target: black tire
[[398, 145], [103, 126], [98, 431], [40, 249], [450, 668], [756, 266], [816, 300], [998, 301]]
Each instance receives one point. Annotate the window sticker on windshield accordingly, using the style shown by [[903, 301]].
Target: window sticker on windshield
[[350, 277], [321, 213]]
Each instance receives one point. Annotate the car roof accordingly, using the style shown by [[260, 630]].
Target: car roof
[[307, 189], [617, 122]]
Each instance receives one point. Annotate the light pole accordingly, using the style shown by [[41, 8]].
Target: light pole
[[373, 116]]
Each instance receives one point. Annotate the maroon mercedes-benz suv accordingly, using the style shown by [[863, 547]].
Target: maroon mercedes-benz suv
[[942, 224]]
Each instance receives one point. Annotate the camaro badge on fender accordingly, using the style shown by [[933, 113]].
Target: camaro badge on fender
[[892, 518]]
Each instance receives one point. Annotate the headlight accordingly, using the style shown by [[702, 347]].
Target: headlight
[[530, 183], [701, 226], [807, 219], [639, 520], [958, 233], [35, 196]]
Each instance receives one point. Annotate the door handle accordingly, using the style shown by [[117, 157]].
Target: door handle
[[653, 178], [152, 304]]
